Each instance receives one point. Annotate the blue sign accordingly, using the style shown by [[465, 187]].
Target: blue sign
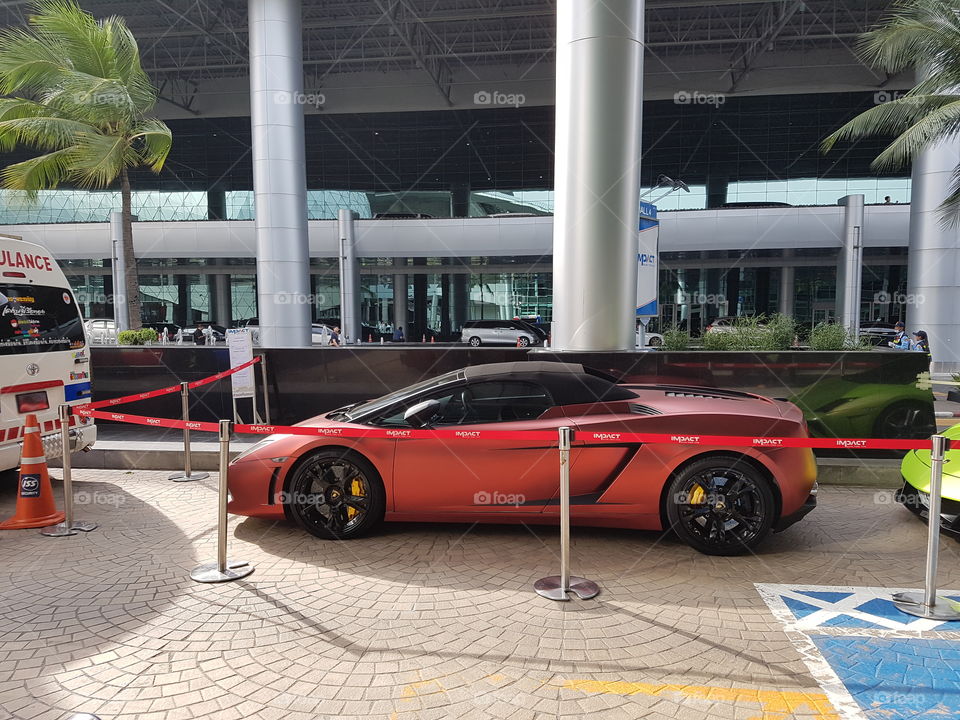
[[648, 275]]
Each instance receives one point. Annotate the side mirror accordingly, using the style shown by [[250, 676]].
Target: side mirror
[[420, 414]]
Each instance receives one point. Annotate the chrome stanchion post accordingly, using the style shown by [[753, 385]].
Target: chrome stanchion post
[[223, 569], [69, 526], [556, 587], [928, 605], [266, 389], [187, 474]]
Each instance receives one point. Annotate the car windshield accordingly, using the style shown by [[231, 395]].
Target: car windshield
[[381, 403]]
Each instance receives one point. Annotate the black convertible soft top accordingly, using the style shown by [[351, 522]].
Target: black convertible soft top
[[567, 383]]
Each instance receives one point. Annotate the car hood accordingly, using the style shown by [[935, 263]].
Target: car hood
[[951, 467], [681, 399]]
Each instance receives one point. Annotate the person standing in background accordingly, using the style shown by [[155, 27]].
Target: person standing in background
[[900, 340], [920, 342]]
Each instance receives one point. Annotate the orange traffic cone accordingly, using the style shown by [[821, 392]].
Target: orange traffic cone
[[370, 337], [36, 506], [433, 338]]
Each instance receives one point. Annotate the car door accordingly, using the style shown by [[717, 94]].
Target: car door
[[474, 475]]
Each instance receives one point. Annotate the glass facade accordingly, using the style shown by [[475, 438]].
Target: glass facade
[[443, 293], [481, 162]]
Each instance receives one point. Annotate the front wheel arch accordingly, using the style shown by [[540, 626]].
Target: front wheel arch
[[721, 454], [305, 456]]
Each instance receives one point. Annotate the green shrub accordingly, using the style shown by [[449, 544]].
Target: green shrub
[[831, 336], [718, 341], [749, 333], [137, 337], [676, 339], [781, 331]]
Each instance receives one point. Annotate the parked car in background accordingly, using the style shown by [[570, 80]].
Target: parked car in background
[[651, 339], [320, 332], [877, 333], [101, 330], [518, 333]]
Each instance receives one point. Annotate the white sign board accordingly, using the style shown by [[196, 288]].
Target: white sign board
[[240, 345], [648, 275]]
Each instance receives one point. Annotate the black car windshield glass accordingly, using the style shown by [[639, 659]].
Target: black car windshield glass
[[372, 407], [36, 318]]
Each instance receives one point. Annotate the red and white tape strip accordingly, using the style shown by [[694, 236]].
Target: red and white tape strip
[[539, 436], [112, 402]]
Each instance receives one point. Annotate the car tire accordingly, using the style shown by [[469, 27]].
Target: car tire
[[335, 494], [523, 341], [475, 341], [906, 420], [721, 505], [655, 342]]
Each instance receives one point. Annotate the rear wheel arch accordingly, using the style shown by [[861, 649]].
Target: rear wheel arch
[[721, 454]]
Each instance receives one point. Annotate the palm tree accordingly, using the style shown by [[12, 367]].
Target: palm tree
[[922, 35], [79, 95]]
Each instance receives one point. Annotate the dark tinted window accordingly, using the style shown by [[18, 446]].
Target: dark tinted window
[[38, 319], [485, 402]]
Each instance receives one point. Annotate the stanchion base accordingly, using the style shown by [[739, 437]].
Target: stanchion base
[[552, 589], [183, 477], [62, 530], [912, 604], [210, 572]]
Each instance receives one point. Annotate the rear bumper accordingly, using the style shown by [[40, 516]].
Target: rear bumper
[[805, 509], [81, 438]]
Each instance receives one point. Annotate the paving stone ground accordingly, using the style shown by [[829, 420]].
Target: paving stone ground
[[418, 621]]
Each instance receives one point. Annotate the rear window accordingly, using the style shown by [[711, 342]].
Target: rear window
[[37, 318]]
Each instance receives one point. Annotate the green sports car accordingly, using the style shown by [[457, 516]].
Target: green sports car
[[915, 494], [845, 408]]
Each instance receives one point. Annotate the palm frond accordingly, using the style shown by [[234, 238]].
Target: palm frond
[[27, 63], [936, 125], [157, 141], [916, 31], [888, 118], [44, 133], [98, 159], [40, 173], [950, 208], [81, 37]]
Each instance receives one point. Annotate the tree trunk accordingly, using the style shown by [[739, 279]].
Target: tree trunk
[[131, 279]]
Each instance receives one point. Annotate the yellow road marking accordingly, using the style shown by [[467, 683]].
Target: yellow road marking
[[774, 704]]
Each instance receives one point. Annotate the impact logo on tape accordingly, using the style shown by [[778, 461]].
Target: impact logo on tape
[[30, 486], [768, 442], [685, 439]]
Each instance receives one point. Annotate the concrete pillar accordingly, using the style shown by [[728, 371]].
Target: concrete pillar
[[461, 300], [761, 291], [716, 190], [400, 297], [419, 324], [597, 173], [181, 311], [932, 284], [279, 172], [222, 304], [787, 284], [216, 204], [349, 278], [121, 308], [850, 264]]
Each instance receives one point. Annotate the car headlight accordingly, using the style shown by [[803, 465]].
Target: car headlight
[[269, 439]]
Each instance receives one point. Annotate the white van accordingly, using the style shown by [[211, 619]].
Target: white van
[[44, 358]]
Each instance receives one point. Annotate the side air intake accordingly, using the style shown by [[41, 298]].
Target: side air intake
[[638, 409]]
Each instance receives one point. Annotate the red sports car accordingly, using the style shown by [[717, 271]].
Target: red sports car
[[720, 500]]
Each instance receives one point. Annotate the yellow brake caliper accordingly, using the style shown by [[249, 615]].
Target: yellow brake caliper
[[697, 495], [356, 489]]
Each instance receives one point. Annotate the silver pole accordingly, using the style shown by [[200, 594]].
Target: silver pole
[[187, 473], [223, 570], [556, 587], [266, 388], [927, 605], [69, 526]]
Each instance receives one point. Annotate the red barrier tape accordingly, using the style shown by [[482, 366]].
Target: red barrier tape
[[168, 390], [539, 436]]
